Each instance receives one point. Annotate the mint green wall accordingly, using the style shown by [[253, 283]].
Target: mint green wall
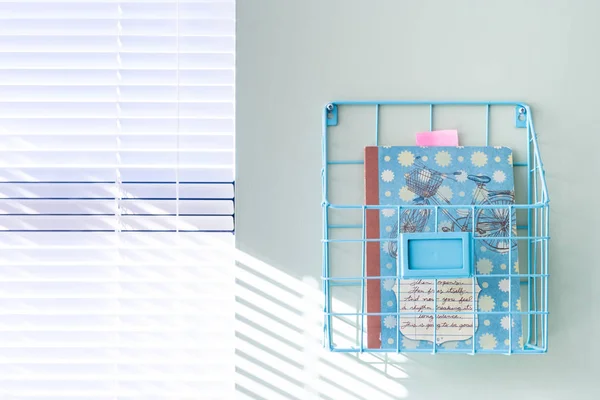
[[295, 55]]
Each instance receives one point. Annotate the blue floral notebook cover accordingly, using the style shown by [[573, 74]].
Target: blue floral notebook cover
[[444, 176]]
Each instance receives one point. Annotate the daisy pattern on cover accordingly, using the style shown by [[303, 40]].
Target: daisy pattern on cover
[[406, 158], [481, 179], [388, 212], [390, 321], [442, 158], [387, 175]]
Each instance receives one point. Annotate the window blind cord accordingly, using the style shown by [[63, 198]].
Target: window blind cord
[[177, 133]]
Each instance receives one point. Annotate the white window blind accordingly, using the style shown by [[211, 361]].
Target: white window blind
[[116, 199]]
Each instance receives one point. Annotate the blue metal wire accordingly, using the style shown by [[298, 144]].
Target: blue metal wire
[[487, 125], [328, 329], [377, 125], [362, 281]]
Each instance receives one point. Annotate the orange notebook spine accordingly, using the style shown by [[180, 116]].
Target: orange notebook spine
[[373, 267]]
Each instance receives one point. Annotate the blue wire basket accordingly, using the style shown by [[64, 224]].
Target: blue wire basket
[[356, 322]]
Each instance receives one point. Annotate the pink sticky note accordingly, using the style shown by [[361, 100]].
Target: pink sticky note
[[446, 137]]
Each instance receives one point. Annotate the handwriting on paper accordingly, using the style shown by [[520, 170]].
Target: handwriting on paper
[[453, 302]]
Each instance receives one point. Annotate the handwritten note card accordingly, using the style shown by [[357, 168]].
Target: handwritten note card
[[417, 300]]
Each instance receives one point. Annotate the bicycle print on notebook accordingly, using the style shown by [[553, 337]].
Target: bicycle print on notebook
[[491, 222]]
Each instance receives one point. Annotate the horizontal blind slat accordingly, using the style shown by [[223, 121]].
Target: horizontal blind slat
[[116, 59], [93, 173], [109, 26], [124, 9], [103, 93], [108, 43]]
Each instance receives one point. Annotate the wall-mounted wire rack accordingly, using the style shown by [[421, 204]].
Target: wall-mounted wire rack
[[350, 126]]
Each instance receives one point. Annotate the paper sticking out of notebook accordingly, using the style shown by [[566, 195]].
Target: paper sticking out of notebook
[[446, 137]]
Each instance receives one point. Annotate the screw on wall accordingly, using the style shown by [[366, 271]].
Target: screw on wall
[[332, 114], [520, 117]]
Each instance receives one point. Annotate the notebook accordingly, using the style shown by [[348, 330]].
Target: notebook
[[409, 175]]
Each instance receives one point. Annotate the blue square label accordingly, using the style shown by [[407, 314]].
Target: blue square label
[[435, 255]]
